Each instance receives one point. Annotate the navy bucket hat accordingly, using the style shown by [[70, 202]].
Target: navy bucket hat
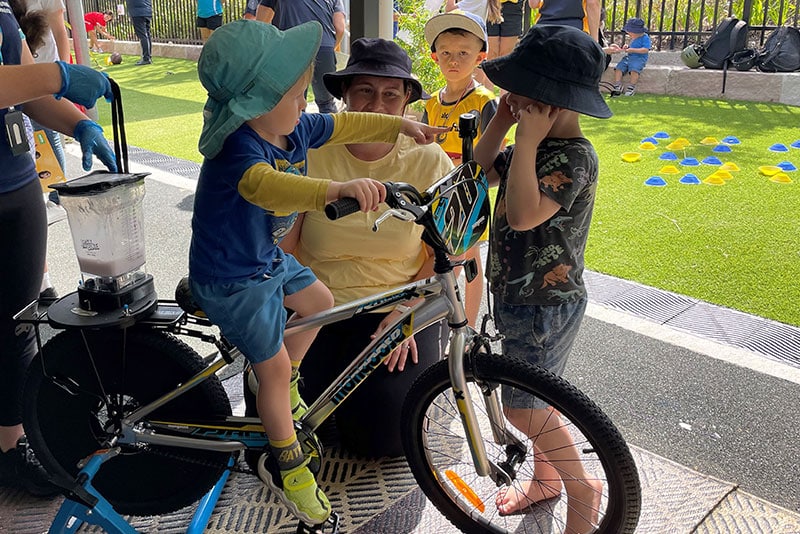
[[634, 25], [556, 65]]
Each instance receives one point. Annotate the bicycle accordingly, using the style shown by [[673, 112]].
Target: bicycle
[[123, 379]]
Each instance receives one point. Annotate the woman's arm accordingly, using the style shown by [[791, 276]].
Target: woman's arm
[[55, 19], [22, 83]]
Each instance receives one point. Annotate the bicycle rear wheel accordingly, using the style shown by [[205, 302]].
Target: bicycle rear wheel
[[75, 409], [439, 455]]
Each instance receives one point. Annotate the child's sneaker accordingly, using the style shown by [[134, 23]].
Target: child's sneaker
[[297, 489], [616, 89], [630, 90], [299, 406]]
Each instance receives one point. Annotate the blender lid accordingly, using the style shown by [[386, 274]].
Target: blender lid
[[97, 182]]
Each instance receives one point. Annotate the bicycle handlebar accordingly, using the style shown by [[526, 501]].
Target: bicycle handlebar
[[341, 208]]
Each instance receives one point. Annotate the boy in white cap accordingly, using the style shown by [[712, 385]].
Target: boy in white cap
[[251, 186], [547, 183], [458, 45]]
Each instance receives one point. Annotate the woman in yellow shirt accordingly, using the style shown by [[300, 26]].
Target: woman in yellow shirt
[[354, 262]]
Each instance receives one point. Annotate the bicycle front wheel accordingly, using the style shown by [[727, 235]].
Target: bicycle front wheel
[[85, 382], [567, 470]]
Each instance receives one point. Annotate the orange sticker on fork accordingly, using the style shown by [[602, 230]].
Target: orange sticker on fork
[[465, 490]]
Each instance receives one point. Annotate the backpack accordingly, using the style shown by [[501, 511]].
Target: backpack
[[729, 37], [781, 52]]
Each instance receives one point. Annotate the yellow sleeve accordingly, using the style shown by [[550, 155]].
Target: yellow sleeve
[[282, 192], [356, 127]]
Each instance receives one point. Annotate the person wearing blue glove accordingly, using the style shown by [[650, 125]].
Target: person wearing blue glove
[[29, 87]]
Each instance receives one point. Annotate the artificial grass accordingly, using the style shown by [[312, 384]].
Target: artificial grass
[[736, 245]]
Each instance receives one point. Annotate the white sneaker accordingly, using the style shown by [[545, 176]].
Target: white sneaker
[[55, 213]]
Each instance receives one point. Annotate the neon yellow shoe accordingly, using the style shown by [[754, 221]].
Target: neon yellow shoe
[[299, 492], [299, 407]]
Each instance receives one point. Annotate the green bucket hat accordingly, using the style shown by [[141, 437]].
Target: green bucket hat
[[247, 66]]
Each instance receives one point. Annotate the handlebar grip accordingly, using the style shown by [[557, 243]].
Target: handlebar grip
[[342, 207]]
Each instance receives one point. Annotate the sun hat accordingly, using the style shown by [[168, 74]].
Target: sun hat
[[556, 65], [371, 56], [634, 25], [246, 67], [455, 20]]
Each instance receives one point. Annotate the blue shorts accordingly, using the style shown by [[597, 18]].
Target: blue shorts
[[631, 63], [250, 312], [540, 335]]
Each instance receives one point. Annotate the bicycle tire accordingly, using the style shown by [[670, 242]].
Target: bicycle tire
[[66, 418], [439, 457]]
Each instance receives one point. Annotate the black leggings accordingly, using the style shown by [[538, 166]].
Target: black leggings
[[369, 420], [23, 245]]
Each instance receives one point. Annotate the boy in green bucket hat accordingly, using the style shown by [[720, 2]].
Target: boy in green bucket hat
[[251, 186]]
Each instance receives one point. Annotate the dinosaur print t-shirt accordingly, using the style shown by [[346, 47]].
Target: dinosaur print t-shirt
[[544, 265]]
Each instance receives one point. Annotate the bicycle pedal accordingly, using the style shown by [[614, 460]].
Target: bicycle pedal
[[330, 526]]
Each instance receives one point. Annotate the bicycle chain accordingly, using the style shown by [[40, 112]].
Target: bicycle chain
[[167, 453]]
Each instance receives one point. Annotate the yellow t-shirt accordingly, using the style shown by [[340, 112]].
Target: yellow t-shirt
[[479, 101], [346, 255]]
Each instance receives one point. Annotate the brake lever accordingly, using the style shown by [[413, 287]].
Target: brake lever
[[403, 215]]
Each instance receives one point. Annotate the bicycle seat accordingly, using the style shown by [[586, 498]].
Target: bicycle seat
[[184, 298]]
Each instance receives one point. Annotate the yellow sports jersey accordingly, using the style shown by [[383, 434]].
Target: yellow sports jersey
[[480, 101]]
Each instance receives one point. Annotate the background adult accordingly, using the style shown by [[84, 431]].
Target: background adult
[[23, 220], [48, 42], [581, 14], [330, 13], [354, 262], [209, 17], [505, 34], [141, 14]]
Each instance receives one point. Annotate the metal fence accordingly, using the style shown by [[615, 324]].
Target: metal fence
[[673, 24], [173, 20]]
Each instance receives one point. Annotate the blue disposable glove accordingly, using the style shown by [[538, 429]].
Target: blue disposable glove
[[90, 135], [83, 85]]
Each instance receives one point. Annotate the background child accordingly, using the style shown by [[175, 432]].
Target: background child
[[96, 22], [458, 45], [635, 58], [251, 185], [544, 206]]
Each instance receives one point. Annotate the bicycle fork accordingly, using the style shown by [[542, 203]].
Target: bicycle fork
[[500, 474]]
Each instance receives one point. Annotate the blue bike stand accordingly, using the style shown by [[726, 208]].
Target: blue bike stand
[[84, 504]]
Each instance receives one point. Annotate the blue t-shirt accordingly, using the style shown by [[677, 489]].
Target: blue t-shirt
[[233, 239], [291, 14], [208, 8], [17, 171], [640, 42]]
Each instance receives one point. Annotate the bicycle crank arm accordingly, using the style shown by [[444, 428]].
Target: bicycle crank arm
[[330, 526]]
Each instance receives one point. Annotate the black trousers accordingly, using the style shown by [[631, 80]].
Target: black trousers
[[368, 421], [141, 25], [23, 242]]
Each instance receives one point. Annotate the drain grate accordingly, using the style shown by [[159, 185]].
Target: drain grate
[[180, 167], [776, 340]]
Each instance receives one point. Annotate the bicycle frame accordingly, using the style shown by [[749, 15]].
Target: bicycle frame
[[441, 300]]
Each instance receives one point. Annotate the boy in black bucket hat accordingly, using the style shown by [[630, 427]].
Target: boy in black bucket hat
[[547, 184]]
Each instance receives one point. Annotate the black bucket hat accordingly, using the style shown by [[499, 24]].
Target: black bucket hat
[[556, 65], [375, 57]]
